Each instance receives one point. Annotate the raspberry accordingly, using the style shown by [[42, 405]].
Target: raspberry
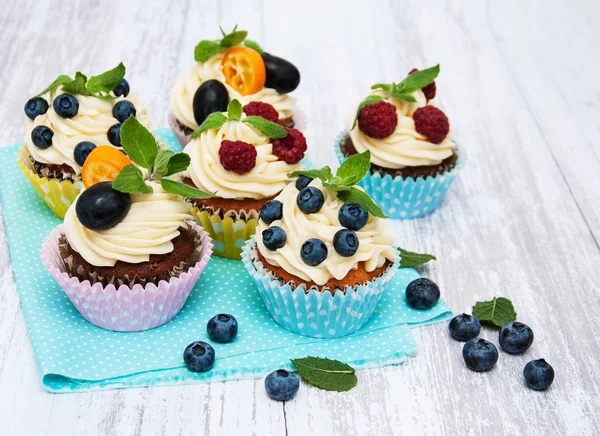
[[260, 109], [378, 120], [429, 90], [237, 156], [431, 123], [290, 148]]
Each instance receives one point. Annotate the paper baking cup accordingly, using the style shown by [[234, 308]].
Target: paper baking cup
[[57, 194], [318, 314], [406, 198], [125, 309]]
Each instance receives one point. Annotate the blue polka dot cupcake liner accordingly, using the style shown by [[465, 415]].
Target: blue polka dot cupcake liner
[[314, 313], [406, 198]]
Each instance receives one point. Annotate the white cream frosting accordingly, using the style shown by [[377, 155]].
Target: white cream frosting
[[375, 239], [94, 118], [150, 226], [182, 94], [266, 179]]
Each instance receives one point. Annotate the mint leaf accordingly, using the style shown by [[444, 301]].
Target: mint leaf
[[161, 163], [138, 143], [130, 179], [354, 169], [234, 110], [324, 174], [418, 79], [63, 79], [498, 312], [403, 96], [213, 121], [355, 195], [336, 187], [178, 163], [234, 38], [206, 49], [106, 81], [267, 128], [253, 45], [409, 259], [182, 189], [327, 374], [77, 85], [385, 86]]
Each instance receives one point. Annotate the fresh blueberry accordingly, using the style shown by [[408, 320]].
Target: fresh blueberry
[[281, 385], [479, 354], [310, 200], [222, 328], [274, 238], [353, 216], [199, 356], [100, 207], [114, 134], [538, 374], [271, 211], [345, 242], [464, 327], [82, 151], [41, 136], [313, 252], [35, 106], [422, 293], [66, 105], [515, 338], [122, 89], [302, 182], [123, 110]]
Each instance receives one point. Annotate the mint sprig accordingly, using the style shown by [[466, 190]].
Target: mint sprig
[[207, 48], [413, 82], [327, 374], [409, 259], [496, 313]]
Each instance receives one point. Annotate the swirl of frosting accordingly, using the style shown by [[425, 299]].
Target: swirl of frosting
[[91, 123], [150, 226], [266, 179], [375, 239], [182, 95]]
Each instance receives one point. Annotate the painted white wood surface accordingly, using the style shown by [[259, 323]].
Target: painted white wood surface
[[519, 82]]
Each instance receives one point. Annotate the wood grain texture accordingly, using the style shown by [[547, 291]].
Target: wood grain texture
[[523, 220]]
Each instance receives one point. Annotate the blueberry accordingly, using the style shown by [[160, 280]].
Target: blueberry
[[538, 374], [114, 134], [422, 293], [123, 110], [122, 89], [464, 327], [199, 356], [274, 238], [353, 216], [271, 211], [100, 207], [310, 200], [35, 106], [345, 242], [281, 385], [222, 328], [66, 105], [41, 136], [82, 151], [479, 354], [211, 96], [313, 252], [281, 75], [515, 338], [302, 182]]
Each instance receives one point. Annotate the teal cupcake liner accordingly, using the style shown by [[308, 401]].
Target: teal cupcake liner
[[314, 313], [406, 198]]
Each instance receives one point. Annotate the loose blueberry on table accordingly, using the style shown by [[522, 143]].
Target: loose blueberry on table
[[199, 356], [422, 294], [538, 374], [41, 136], [479, 354], [211, 96], [100, 207], [222, 328], [35, 106], [66, 105], [281, 385], [464, 327], [515, 338]]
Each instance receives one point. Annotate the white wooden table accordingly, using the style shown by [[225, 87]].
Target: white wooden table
[[520, 84]]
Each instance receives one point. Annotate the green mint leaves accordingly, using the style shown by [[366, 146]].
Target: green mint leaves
[[130, 179], [498, 312], [324, 174], [213, 121], [139, 143], [409, 259], [413, 82], [253, 45], [268, 128], [234, 110], [61, 80], [206, 49], [327, 374], [107, 81]]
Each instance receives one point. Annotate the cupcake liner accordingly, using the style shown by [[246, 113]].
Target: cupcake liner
[[124, 308], [57, 194], [406, 198], [315, 313]]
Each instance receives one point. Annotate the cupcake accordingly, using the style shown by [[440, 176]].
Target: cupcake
[[323, 254], [244, 160], [413, 158], [66, 121], [232, 67]]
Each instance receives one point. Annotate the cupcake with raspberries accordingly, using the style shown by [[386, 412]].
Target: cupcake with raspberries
[[232, 67], [323, 254], [243, 160], [413, 157], [66, 122]]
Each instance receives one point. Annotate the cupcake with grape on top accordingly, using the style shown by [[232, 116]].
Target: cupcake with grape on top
[[322, 254], [66, 122], [129, 251], [243, 160], [232, 67], [413, 157]]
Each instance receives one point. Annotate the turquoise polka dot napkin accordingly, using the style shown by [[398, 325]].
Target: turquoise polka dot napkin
[[73, 355]]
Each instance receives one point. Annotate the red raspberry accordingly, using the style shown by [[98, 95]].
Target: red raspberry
[[431, 123], [429, 90], [378, 120], [237, 156], [260, 109], [290, 148]]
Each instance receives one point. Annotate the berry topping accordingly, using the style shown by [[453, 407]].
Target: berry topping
[[302, 182], [271, 211], [123, 110], [260, 109], [100, 207], [114, 134], [538, 374], [428, 90], [422, 293], [65, 105], [291, 148], [199, 356], [310, 200], [274, 238], [378, 120], [353, 216], [222, 328], [345, 242], [35, 106], [237, 156], [211, 96], [103, 164], [479, 354], [82, 151], [432, 123], [515, 337], [281, 385], [122, 89], [244, 70], [313, 252], [464, 327], [282, 75], [41, 136]]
